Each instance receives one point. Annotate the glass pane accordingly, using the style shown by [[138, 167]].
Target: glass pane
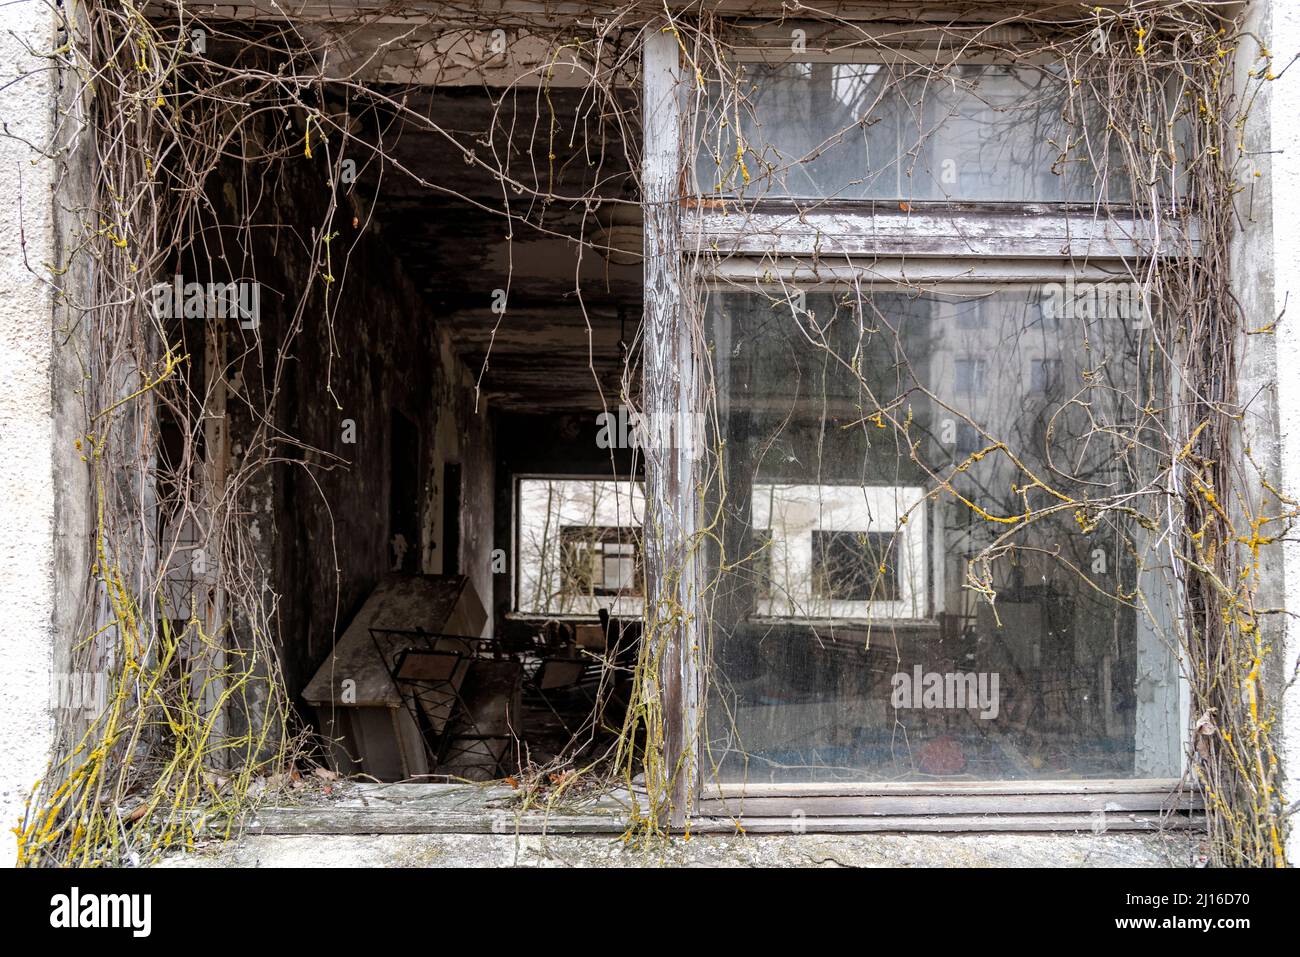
[[893, 460], [579, 546], [973, 132]]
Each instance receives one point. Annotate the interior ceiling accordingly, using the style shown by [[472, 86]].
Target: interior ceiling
[[557, 346]]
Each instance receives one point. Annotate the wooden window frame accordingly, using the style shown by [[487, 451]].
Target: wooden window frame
[[516, 538], [830, 243]]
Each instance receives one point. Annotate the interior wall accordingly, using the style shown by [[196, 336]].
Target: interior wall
[[320, 518], [464, 437]]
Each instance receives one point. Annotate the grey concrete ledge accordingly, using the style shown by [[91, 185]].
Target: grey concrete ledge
[[449, 825], [713, 850]]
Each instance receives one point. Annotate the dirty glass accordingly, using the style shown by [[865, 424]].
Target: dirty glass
[[971, 132], [929, 557]]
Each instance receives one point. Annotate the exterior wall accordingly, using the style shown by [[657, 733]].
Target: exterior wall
[[27, 479], [1275, 130], [1265, 263]]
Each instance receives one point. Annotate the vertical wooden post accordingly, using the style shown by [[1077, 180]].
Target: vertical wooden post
[[210, 660], [669, 397]]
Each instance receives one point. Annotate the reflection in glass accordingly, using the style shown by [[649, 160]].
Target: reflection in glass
[[890, 464], [970, 132]]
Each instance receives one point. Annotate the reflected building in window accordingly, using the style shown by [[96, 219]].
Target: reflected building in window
[[904, 472]]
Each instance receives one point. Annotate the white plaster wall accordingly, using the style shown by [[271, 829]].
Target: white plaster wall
[[1284, 130], [26, 412]]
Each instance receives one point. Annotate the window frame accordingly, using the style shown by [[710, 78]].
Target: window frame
[[593, 550], [791, 275], [516, 538], [828, 243]]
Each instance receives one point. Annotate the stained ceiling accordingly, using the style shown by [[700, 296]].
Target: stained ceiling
[[440, 205]]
